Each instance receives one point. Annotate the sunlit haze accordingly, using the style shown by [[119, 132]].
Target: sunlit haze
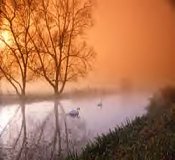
[[6, 39], [87, 79], [135, 40]]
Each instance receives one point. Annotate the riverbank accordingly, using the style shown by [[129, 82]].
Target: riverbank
[[151, 136], [75, 94]]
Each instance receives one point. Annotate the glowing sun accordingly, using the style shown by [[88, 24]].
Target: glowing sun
[[5, 39]]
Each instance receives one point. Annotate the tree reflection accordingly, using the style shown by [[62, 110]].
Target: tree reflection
[[55, 136]]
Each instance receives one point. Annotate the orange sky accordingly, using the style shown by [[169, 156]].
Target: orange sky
[[133, 39]]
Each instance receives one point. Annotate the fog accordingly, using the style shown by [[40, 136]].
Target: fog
[[93, 120], [134, 40]]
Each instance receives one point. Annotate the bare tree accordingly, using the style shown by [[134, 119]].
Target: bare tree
[[17, 48], [61, 52], [17, 23], [1, 6], [46, 38], [172, 2]]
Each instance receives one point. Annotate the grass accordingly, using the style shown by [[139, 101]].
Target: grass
[[150, 137]]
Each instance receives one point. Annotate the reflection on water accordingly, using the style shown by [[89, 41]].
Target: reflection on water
[[45, 130]]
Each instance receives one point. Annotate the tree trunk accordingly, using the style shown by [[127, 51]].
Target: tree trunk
[[57, 126]]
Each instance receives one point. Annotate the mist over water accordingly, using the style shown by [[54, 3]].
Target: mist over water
[[134, 42], [93, 119]]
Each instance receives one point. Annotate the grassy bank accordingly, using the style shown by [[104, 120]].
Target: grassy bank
[[150, 137]]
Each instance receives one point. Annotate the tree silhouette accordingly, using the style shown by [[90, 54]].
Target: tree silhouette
[[45, 40], [61, 53], [14, 57], [172, 3], [16, 52]]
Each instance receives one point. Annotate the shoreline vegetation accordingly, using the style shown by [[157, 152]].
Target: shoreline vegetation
[[151, 136]]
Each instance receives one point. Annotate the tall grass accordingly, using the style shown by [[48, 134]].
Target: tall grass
[[150, 137]]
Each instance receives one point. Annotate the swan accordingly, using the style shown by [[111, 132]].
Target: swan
[[74, 113], [100, 104]]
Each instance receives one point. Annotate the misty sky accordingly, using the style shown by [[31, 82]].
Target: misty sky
[[133, 39]]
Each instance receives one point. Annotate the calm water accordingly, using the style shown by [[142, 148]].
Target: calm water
[[93, 120]]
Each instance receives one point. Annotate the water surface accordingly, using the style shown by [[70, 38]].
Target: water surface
[[93, 120]]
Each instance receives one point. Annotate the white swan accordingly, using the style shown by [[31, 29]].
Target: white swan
[[74, 113]]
